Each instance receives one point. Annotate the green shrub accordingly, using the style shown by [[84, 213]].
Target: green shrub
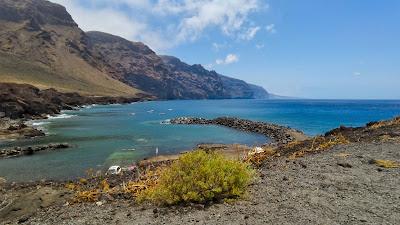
[[199, 177]]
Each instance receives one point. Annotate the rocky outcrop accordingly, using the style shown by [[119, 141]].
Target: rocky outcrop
[[27, 101], [279, 134], [20, 151], [14, 129]]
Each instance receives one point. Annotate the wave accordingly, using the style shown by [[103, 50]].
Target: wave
[[37, 124], [128, 149], [142, 140], [61, 116]]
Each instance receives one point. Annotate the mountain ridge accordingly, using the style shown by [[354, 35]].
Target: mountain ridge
[[47, 49]]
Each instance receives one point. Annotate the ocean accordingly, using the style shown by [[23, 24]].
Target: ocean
[[123, 134]]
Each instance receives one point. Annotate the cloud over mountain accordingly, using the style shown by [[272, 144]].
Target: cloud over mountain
[[165, 23]]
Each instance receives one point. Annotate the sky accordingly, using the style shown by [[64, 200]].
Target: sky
[[338, 49]]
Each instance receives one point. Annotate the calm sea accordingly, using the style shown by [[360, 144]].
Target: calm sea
[[122, 134]]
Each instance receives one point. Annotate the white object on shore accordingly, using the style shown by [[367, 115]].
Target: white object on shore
[[114, 170], [99, 203], [156, 151], [256, 150]]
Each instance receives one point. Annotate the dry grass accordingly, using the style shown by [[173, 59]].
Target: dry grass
[[343, 155], [333, 141], [85, 194], [386, 163], [258, 158], [95, 188], [79, 77], [147, 180], [319, 144], [395, 121]]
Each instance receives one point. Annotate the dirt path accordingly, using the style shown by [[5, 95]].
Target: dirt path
[[338, 186]]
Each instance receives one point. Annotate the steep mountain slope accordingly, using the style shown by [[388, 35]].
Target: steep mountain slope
[[221, 86], [40, 44], [164, 76]]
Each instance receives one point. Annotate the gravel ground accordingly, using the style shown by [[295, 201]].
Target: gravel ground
[[338, 186]]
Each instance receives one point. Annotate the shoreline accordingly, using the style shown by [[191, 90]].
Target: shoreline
[[20, 103], [299, 169]]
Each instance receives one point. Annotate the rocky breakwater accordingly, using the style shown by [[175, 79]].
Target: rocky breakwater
[[20, 151], [279, 134]]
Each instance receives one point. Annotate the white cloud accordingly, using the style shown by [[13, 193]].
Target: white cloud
[[110, 20], [209, 66], [217, 47], [356, 73], [230, 58], [260, 46], [271, 28], [177, 21], [198, 15], [250, 33]]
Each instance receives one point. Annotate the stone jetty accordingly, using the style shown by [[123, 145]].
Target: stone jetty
[[278, 134]]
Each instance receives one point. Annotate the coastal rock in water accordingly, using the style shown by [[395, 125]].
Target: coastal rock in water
[[19, 151], [13, 129]]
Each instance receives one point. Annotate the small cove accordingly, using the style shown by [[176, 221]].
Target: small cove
[[123, 134]]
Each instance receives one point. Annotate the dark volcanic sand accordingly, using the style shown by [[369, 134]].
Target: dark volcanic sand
[[323, 188]]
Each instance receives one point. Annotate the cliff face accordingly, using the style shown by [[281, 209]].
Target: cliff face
[[40, 44]]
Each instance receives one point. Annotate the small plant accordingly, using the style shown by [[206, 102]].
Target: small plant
[[199, 177]]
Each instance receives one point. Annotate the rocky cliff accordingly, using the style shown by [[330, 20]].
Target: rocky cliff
[[40, 44]]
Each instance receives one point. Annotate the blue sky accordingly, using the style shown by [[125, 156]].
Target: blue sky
[[314, 49]]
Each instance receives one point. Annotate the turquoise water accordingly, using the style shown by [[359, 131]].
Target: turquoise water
[[122, 134]]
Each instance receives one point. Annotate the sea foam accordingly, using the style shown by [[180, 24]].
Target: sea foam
[[61, 116]]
